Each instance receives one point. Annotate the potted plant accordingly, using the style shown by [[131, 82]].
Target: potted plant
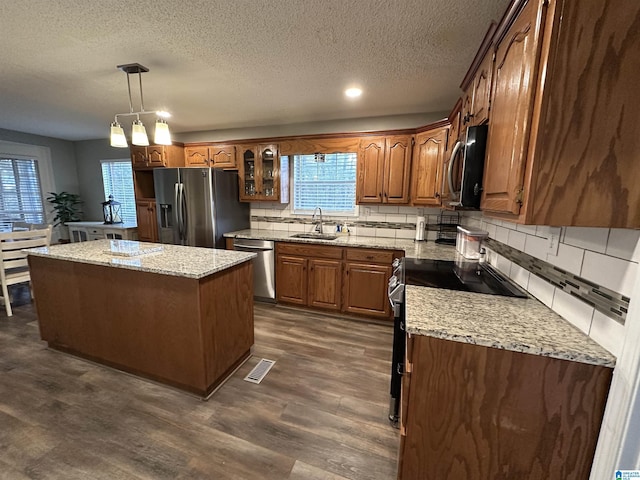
[[66, 206]]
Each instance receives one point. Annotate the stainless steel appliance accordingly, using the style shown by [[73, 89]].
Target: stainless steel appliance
[[465, 187], [264, 279], [197, 206], [462, 276]]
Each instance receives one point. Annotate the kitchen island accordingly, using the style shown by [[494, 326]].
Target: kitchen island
[[178, 315]]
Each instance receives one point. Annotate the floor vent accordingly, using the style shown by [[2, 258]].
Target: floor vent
[[260, 371]]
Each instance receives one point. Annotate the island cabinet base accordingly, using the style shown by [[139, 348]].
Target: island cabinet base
[[479, 413], [188, 333]]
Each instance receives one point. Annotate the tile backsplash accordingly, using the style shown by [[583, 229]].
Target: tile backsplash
[[372, 221], [606, 257]]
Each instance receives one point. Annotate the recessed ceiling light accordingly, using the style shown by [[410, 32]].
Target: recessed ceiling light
[[163, 114], [353, 92]]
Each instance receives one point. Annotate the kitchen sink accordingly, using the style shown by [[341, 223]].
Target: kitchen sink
[[319, 236]]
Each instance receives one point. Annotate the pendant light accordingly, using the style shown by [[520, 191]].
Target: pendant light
[[138, 131]]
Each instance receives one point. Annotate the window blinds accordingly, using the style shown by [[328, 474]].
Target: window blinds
[[328, 184], [20, 192], [117, 178]]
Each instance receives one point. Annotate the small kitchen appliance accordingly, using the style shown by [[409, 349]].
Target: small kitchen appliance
[[420, 228], [469, 242]]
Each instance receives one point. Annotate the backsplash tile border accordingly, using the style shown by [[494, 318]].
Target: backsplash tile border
[[606, 301]]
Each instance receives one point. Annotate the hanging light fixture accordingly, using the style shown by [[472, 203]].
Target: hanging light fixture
[[138, 132]]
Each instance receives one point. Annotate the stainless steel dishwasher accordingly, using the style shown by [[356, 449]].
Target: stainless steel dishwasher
[[264, 284]]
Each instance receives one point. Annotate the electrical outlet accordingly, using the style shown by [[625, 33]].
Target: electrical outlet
[[554, 240], [367, 211]]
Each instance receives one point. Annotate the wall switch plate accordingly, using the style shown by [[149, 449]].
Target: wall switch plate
[[554, 240]]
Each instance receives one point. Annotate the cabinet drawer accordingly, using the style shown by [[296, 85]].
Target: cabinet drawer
[[306, 250], [371, 255]]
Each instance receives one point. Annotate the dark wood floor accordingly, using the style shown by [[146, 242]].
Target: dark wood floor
[[319, 414]]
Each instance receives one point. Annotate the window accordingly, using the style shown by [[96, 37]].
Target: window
[[117, 178], [327, 181], [20, 192]]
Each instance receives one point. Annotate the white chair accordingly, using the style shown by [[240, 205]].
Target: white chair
[[14, 267]]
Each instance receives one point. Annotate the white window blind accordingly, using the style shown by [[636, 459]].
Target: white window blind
[[20, 192], [117, 178], [328, 184]]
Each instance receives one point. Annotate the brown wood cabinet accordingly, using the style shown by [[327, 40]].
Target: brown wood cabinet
[[561, 143], [157, 156], [263, 175], [516, 67], [383, 169], [482, 91], [216, 156], [455, 122], [147, 220], [475, 412], [351, 280], [427, 167], [366, 278]]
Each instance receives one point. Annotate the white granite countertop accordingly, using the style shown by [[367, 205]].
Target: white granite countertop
[[423, 250], [517, 324], [177, 260]]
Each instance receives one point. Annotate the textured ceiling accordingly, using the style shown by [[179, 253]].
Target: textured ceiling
[[218, 64]]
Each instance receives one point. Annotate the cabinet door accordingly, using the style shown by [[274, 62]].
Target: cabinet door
[[428, 162], [247, 159], [365, 289], [396, 169], [196, 156], [516, 63], [223, 156], [482, 90], [138, 156], [267, 172], [466, 115], [156, 156], [147, 221], [325, 283], [370, 170], [291, 279]]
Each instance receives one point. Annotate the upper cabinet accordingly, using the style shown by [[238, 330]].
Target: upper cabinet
[[383, 169], [216, 156], [516, 66], [455, 122], [427, 167], [157, 156], [262, 174], [562, 145]]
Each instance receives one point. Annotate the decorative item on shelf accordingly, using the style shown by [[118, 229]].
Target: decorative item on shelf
[[447, 228], [66, 206], [138, 132], [111, 211]]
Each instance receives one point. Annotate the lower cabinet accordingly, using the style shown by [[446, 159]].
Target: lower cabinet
[[147, 220], [475, 412], [350, 280]]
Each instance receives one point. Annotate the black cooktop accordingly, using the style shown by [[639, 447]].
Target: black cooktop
[[462, 276]]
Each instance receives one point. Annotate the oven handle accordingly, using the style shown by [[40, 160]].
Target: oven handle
[[454, 153]]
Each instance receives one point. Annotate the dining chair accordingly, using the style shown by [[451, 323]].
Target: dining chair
[[14, 267], [20, 226]]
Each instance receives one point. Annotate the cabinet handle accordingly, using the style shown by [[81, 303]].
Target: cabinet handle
[[369, 257], [437, 195]]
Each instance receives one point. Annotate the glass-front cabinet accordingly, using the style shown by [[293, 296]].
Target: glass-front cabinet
[[260, 174]]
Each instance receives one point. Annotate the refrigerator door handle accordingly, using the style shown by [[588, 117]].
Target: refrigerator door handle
[[184, 214], [176, 213]]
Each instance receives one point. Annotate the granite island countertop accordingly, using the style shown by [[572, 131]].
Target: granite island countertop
[[421, 250], [517, 324], [176, 260]]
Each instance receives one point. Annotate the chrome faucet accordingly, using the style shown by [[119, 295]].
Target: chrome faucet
[[317, 222]]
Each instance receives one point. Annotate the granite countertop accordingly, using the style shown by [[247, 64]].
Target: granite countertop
[[421, 250], [177, 260], [517, 324]]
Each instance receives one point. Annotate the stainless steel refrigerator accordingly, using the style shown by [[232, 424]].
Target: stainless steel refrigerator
[[197, 206]]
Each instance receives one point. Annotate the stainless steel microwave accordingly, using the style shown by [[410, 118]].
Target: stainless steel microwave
[[465, 179]]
